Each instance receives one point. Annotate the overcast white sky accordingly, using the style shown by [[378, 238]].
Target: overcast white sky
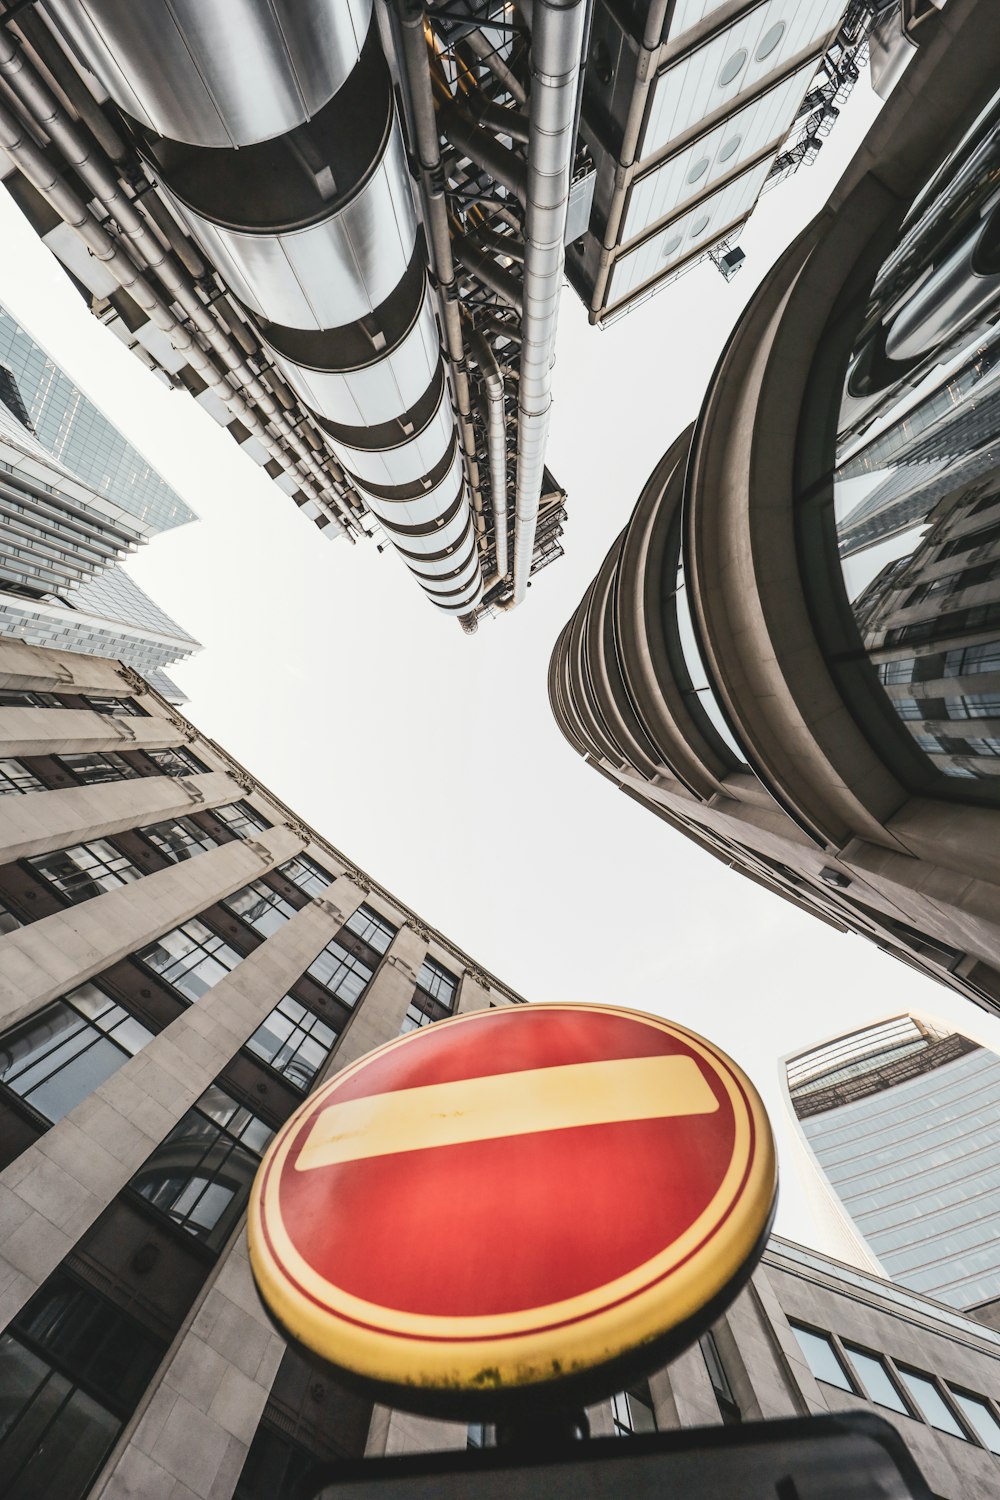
[[431, 758]]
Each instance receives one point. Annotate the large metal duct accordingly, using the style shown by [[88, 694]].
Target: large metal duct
[[557, 31], [272, 129]]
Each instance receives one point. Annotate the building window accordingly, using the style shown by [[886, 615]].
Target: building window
[[118, 708], [343, 975], [876, 1381], [191, 958], [14, 777], [12, 698], [979, 1417], [179, 838], [728, 1405], [177, 761], [632, 1411], [260, 907], [418, 1014], [72, 1370], [371, 928], [294, 1042], [306, 874], [436, 981], [822, 1358], [61, 1054], [8, 921], [200, 1176], [480, 1435], [95, 766], [241, 818], [86, 870], [930, 1403]]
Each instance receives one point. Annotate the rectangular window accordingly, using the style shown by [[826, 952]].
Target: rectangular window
[[260, 907], [177, 761], [822, 1358], [93, 766], [180, 838], [371, 928], [343, 975], [876, 1382], [979, 1417], [72, 1369], [12, 698], [8, 921], [86, 870], [930, 1403], [727, 1403], [118, 708], [436, 981], [191, 958], [201, 1174], [293, 1041], [61, 1054], [418, 1014], [14, 777], [306, 874], [241, 818], [632, 1411]]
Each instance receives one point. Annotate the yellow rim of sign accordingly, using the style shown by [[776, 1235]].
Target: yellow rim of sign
[[509, 1350]]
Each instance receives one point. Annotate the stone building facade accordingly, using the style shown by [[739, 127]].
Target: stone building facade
[[181, 960], [791, 652]]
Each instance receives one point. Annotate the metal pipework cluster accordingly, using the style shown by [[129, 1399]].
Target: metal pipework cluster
[[272, 132]]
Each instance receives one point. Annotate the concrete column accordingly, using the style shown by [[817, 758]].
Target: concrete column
[[380, 1014], [44, 960], [55, 1190], [41, 670], [394, 1431], [71, 731], [765, 1356], [682, 1393], [191, 1441], [41, 821], [474, 993]]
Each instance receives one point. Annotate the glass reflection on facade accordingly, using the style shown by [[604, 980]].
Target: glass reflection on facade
[[916, 486], [904, 1121]]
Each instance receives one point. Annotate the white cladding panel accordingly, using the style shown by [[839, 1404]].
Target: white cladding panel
[[688, 13], [739, 58], [702, 225], [690, 173]]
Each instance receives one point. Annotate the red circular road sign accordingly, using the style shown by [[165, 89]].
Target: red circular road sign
[[514, 1196]]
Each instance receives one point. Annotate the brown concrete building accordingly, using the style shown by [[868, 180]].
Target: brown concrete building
[[792, 652], [181, 960]]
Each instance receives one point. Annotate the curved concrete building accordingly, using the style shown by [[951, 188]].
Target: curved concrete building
[[792, 652]]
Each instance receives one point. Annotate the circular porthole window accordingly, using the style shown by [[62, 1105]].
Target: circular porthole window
[[671, 245], [699, 226], [733, 67], [770, 40], [729, 148], [698, 170]]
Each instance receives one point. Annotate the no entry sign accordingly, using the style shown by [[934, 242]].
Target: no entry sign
[[513, 1197]]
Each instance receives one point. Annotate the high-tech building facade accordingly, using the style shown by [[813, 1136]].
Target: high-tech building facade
[[692, 108], [181, 960], [343, 226], [790, 653], [902, 1120]]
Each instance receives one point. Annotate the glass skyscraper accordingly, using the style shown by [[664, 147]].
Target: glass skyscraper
[[903, 1121], [72, 429]]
